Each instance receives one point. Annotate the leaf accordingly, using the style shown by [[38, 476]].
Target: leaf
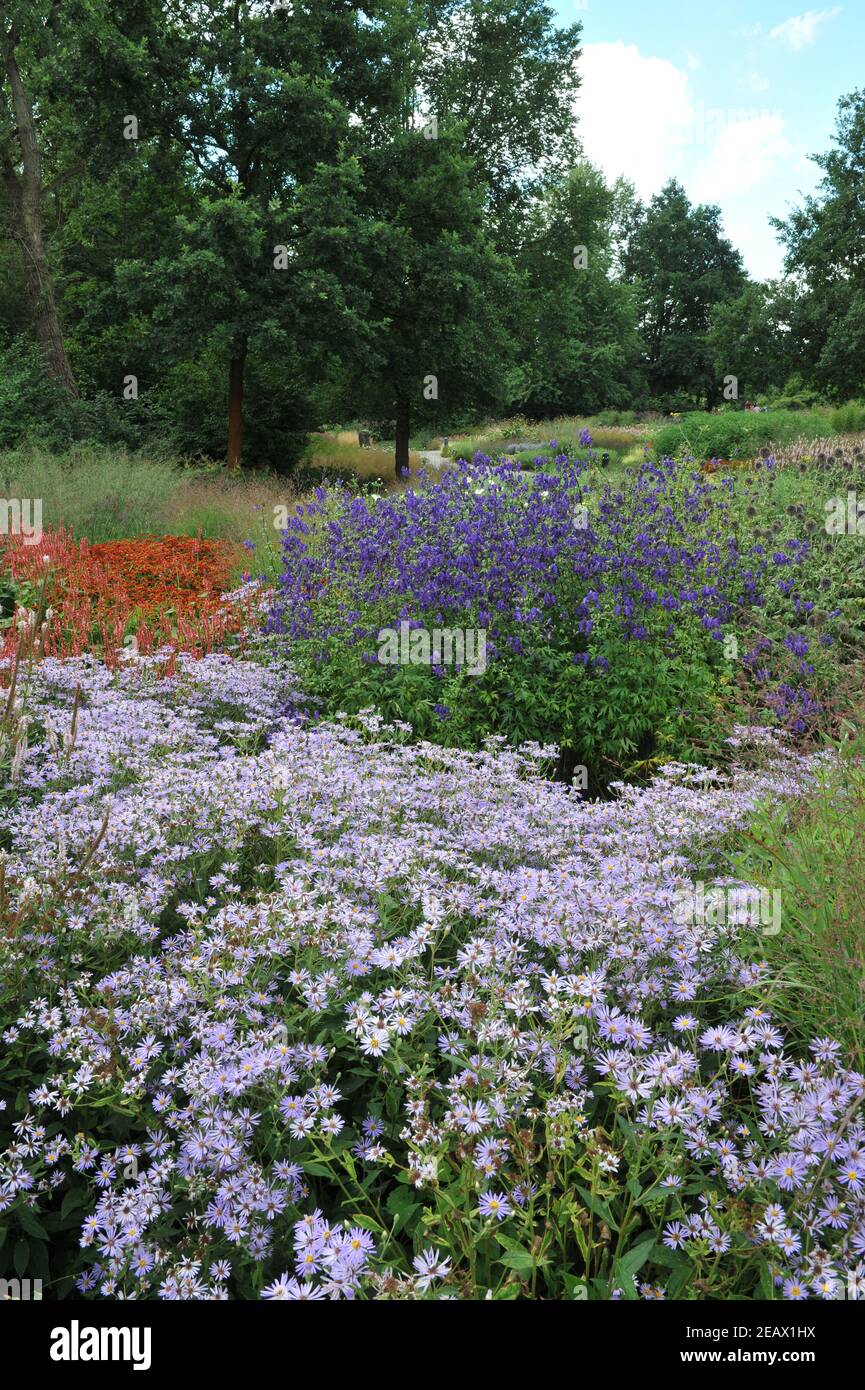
[[678, 1281], [767, 1284], [402, 1207], [76, 1198], [628, 1265], [368, 1223], [599, 1207], [574, 1287], [32, 1225], [520, 1260], [21, 1258]]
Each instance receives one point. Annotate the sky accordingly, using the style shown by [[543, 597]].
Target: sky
[[730, 98]]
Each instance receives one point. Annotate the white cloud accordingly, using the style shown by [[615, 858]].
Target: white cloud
[[635, 114], [639, 116], [747, 151], [754, 82], [801, 30], [694, 62], [752, 234]]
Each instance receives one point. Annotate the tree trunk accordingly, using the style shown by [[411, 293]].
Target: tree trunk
[[402, 430], [236, 369], [25, 199]]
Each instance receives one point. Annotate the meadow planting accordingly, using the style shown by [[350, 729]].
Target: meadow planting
[[328, 976], [432, 627]]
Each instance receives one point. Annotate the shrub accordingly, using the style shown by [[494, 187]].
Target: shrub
[[29, 403], [606, 637], [734, 433], [849, 418], [74, 598]]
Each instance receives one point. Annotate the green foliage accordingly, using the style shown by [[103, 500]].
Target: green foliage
[[750, 338], [823, 240], [440, 292], [28, 400], [575, 322], [681, 266], [849, 418], [735, 434], [810, 853]]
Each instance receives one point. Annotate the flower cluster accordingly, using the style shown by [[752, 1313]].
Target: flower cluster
[[605, 602], [419, 1015], [161, 591]]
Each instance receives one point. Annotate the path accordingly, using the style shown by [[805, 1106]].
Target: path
[[432, 458]]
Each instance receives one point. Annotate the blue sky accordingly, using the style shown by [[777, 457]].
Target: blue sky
[[730, 98]]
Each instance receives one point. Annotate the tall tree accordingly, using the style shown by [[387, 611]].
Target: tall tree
[[576, 329], [462, 131], [439, 290], [681, 265], [259, 99], [508, 75], [23, 39], [825, 241]]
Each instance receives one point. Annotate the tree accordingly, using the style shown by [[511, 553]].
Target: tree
[[505, 73], [438, 288], [825, 253], [750, 337], [681, 265], [579, 349], [23, 39], [258, 100], [470, 146], [65, 72]]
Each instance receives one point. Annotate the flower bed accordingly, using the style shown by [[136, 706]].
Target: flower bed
[[613, 619], [305, 1011], [139, 594]]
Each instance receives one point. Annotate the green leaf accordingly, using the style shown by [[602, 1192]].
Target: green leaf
[[32, 1225], [767, 1284], [519, 1260], [599, 1207], [76, 1198], [402, 1207], [627, 1266]]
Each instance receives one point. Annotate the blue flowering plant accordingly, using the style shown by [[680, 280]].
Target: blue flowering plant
[[626, 623]]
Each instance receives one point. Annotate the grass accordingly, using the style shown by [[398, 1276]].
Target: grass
[[103, 495], [98, 493], [812, 852], [341, 451], [565, 429], [107, 494]]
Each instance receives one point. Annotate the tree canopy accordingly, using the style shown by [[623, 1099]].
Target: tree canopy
[[224, 222]]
